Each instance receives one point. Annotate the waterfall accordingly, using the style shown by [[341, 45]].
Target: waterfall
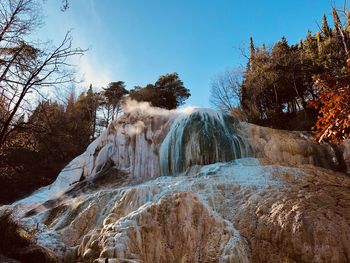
[[195, 137], [201, 137]]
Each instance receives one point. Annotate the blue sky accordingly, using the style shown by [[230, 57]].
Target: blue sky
[[136, 41]]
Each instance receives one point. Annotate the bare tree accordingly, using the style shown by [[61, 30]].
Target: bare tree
[[225, 90], [27, 67]]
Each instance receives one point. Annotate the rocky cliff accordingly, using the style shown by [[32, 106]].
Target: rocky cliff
[[196, 186]]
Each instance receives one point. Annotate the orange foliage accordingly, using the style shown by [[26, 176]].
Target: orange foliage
[[333, 105]]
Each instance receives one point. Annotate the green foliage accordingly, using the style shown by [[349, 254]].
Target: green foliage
[[53, 135], [278, 82], [115, 92], [326, 31], [85, 109], [168, 92], [112, 98], [148, 93]]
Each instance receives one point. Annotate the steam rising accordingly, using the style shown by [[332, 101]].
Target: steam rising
[[144, 110]]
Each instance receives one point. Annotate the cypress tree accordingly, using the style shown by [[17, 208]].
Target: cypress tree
[[252, 47], [337, 23], [301, 44], [70, 102], [325, 28], [252, 54], [284, 41], [339, 27]]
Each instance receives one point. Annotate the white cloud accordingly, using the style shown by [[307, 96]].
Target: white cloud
[[93, 73]]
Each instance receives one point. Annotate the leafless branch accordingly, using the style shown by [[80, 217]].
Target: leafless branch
[[24, 66], [225, 90]]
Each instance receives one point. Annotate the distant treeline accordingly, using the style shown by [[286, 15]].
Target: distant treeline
[[278, 83]]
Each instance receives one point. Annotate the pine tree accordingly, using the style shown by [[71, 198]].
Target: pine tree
[[301, 44], [284, 41], [252, 47], [113, 97], [168, 92], [251, 54], [340, 31], [172, 91], [347, 26], [93, 101], [310, 47], [70, 103], [319, 43], [336, 20], [326, 31]]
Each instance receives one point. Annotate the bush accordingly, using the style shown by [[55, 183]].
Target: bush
[[12, 236], [333, 122], [17, 243]]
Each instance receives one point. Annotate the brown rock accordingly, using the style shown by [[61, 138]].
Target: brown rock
[[289, 148], [35, 254], [298, 223], [179, 228]]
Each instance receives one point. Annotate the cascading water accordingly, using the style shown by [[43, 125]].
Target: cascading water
[[108, 205], [132, 145], [201, 137]]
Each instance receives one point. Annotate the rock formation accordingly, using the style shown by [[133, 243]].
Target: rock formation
[[196, 186]]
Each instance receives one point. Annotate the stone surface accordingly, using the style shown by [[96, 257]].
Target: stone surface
[[288, 204], [345, 147], [178, 228], [290, 148], [306, 221], [262, 213], [35, 254]]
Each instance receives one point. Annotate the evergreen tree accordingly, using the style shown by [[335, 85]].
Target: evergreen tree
[[252, 47], [149, 93], [70, 102], [347, 26], [172, 91], [340, 31], [84, 115], [92, 102], [336, 20], [251, 53], [301, 45], [278, 83], [326, 31], [113, 95], [168, 92], [319, 42]]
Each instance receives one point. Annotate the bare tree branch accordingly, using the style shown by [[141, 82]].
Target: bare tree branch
[[225, 90], [25, 68]]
